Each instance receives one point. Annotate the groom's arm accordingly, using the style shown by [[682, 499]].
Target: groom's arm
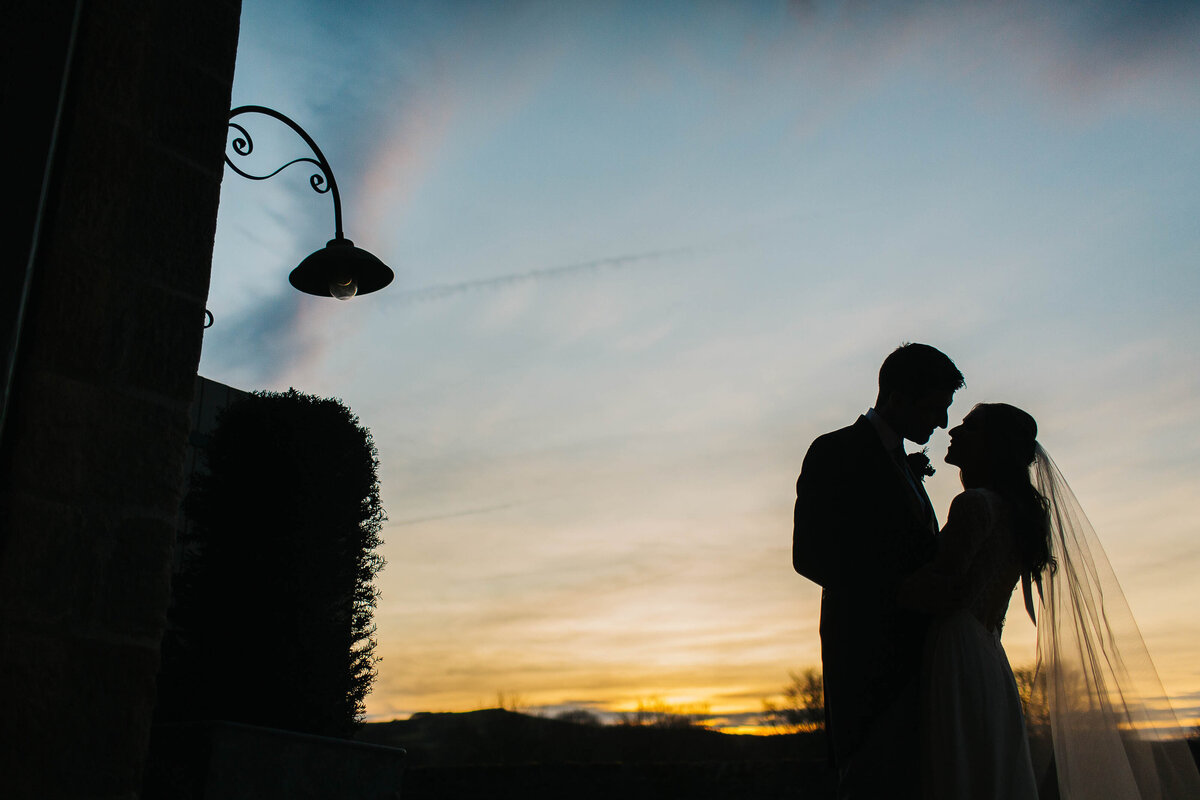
[[820, 514]]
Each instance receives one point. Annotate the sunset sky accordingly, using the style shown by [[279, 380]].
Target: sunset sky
[[646, 252]]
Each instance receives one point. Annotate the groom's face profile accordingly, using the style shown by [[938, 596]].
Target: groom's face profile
[[917, 417]]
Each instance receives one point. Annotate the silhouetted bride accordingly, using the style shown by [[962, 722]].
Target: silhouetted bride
[[1095, 687]]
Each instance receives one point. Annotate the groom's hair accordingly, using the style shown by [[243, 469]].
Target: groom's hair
[[915, 369]]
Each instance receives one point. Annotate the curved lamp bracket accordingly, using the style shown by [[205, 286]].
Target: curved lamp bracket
[[339, 269], [322, 182]]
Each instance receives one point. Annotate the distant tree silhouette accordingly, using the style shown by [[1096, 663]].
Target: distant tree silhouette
[[657, 714], [273, 617], [511, 701], [1031, 687], [579, 716], [803, 706]]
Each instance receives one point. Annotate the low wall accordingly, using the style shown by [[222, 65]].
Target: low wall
[[230, 761]]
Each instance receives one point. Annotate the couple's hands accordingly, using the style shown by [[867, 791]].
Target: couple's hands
[[932, 592]]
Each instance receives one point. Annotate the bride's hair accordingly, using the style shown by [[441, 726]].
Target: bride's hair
[[1013, 437]]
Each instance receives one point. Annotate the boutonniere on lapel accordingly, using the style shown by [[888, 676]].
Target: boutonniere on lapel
[[919, 464]]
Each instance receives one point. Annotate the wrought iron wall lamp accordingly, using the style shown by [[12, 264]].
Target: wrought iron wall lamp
[[339, 269]]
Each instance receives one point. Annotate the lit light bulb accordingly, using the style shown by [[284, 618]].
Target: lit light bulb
[[343, 288]]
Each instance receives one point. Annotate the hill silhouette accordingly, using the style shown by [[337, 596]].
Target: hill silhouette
[[497, 736], [499, 753]]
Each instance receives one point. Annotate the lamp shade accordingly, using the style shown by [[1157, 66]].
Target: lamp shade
[[340, 270]]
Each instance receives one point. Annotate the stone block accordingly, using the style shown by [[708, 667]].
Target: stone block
[[193, 130], [167, 239], [154, 336], [129, 202], [198, 35], [91, 448], [134, 587], [195, 32], [133, 77], [126, 330], [75, 293], [78, 727], [93, 197], [42, 436], [47, 578], [85, 575], [112, 49]]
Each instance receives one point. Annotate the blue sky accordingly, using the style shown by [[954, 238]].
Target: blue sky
[[645, 253]]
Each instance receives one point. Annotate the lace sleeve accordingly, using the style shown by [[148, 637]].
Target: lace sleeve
[[943, 585], [968, 525]]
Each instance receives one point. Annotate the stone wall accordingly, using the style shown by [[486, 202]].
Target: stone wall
[[97, 412], [228, 761]]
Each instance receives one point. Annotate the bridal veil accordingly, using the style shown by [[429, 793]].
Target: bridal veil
[[1099, 707]]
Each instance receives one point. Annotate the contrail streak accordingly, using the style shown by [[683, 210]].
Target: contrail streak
[[747, 233], [450, 515], [442, 291]]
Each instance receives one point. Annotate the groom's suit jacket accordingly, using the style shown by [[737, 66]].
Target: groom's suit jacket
[[860, 529]]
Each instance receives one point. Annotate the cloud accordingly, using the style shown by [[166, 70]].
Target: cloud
[[278, 339], [1078, 61], [259, 342], [473, 69]]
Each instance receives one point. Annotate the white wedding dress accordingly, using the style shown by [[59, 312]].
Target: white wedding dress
[[975, 743], [1104, 730]]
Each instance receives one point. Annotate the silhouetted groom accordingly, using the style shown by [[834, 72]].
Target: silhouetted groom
[[863, 523]]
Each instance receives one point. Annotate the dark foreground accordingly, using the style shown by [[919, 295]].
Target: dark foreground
[[706, 779]]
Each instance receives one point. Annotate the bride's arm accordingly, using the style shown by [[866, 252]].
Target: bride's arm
[[939, 587]]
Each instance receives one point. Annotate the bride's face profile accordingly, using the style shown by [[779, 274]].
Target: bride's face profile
[[995, 441], [968, 442]]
